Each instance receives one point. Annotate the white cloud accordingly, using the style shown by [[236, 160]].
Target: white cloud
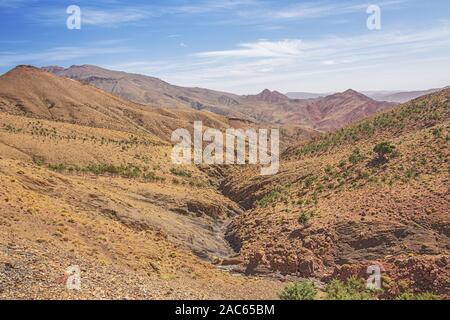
[[261, 48], [112, 17], [328, 62], [320, 9]]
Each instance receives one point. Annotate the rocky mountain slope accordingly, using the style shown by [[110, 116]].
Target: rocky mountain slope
[[337, 206], [29, 91], [144, 89], [87, 180]]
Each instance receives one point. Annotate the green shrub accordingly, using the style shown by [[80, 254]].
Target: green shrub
[[151, 176], [102, 168], [180, 172], [305, 290], [383, 149], [309, 181], [304, 217], [130, 171], [356, 157], [270, 198], [328, 169], [418, 296], [352, 289]]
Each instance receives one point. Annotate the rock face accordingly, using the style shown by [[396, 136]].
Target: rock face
[[424, 273]]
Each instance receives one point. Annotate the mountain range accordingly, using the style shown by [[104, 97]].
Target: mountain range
[[388, 96], [322, 114]]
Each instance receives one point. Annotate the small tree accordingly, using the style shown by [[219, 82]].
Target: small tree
[[305, 290], [382, 149]]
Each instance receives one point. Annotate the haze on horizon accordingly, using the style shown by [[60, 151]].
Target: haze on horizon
[[241, 46]]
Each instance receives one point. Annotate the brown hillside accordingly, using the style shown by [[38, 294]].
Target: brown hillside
[[335, 208], [29, 91]]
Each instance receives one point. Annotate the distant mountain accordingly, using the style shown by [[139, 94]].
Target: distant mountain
[[305, 95], [268, 106], [388, 96], [339, 109], [399, 96], [268, 96], [144, 89]]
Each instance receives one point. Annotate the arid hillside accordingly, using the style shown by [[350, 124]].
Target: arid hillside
[[111, 203], [144, 89], [373, 192], [30, 91], [87, 180]]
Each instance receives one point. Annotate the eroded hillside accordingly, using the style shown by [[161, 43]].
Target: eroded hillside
[[111, 203], [337, 206]]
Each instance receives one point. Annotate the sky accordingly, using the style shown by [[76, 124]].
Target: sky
[[240, 46]]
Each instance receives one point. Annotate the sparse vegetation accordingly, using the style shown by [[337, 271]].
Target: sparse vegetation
[[126, 171], [151, 176], [382, 150], [305, 290], [305, 217], [410, 116], [352, 289], [356, 156], [418, 296], [270, 198], [181, 172]]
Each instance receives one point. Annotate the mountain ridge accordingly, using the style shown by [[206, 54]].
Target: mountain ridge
[[266, 107]]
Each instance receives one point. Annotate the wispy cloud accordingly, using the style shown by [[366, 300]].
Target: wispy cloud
[[233, 11], [61, 54], [261, 48], [210, 6], [116, 13], [112, 17], [264, 13], [323, 9]]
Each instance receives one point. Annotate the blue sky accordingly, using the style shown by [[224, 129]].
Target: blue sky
[[240, 46]]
